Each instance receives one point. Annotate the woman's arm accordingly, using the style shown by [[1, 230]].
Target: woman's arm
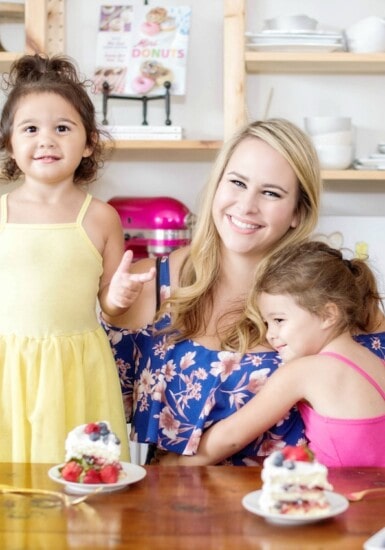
[[281, 391]]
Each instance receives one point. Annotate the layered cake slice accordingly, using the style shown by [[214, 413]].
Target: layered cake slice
[[294, 483], [92, 453]]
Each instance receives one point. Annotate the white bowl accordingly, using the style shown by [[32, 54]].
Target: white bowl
[[291, 22], [367, 35], [333, 138], [324, 124], [335, 157]]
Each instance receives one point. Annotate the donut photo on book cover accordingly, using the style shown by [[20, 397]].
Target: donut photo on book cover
[[139, 48]]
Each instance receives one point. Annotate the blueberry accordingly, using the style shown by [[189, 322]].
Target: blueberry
[[277, 458], [103, 428], [94, 436], [117, 440], [289, 464]]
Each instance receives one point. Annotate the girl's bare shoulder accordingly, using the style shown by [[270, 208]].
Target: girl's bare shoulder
[[103, 211]]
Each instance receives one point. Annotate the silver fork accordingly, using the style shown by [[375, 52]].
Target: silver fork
[[65, 499]]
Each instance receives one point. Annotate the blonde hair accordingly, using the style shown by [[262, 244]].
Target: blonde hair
[[314, 274], [190, 302]]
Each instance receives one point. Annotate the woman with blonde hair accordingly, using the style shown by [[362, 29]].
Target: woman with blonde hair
[[188, 351]]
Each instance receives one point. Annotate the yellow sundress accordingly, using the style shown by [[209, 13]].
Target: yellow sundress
[[56, 366]]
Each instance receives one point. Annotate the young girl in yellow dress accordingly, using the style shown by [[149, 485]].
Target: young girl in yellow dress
[[59, 250]]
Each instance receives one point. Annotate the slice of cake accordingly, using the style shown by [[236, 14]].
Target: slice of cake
[[92, 453], [294, 483]]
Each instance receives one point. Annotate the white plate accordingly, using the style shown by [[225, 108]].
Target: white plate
[[131, 473], [376, 541], [284, 47], [294, 37], [338, 504]]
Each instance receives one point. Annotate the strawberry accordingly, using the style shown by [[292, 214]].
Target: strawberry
[[71, 471], [109, 473], [91, 428], [92, 476], [300, 453]]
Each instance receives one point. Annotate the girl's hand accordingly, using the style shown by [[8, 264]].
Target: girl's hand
[[125, 287], [169, 459]]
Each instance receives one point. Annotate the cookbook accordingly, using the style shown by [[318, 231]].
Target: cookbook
[[139, 48]]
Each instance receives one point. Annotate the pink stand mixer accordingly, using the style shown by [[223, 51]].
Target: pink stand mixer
[[153, 226]]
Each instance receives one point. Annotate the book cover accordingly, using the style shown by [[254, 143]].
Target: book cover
[[141, 47]]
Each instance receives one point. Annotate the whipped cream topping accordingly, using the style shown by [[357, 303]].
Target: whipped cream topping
[[79, 443]]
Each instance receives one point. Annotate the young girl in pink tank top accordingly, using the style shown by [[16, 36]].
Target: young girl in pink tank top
[[312, 302]]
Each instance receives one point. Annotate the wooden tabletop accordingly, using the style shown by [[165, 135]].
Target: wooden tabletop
[[190, 508]]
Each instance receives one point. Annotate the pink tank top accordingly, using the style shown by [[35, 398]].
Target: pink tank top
[[342, 441]]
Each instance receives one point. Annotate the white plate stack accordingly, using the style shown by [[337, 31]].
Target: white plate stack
[[376, 161], [295, 40], [290, 33]]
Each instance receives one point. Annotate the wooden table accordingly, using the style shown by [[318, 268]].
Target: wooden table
[[190, 508]]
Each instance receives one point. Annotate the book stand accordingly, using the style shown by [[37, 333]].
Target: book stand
[[144, 99]]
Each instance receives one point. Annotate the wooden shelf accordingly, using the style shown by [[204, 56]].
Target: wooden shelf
[[10, 12], [6, 59], [183, 144], [44, 27], [307, 62], [353, 175]]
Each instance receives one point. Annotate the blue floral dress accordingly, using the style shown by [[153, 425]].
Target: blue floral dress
[[172, 393]]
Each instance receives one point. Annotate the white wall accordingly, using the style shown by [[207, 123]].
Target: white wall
[[182, 174]]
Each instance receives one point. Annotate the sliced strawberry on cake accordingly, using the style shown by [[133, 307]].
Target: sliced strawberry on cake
[[92, 454]]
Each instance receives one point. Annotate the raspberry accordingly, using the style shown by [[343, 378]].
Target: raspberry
[[71, 471], [91, 428], [109, 473], [300, 453], [92, 476]]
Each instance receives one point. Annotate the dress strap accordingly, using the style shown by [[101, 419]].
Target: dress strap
[[83, 210], [357, 369], [162, 277], [164, 271], [3, 209]]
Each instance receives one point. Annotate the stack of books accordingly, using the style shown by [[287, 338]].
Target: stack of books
[[145, 132]]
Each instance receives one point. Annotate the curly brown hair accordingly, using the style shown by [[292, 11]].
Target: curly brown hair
[[37, 74]]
